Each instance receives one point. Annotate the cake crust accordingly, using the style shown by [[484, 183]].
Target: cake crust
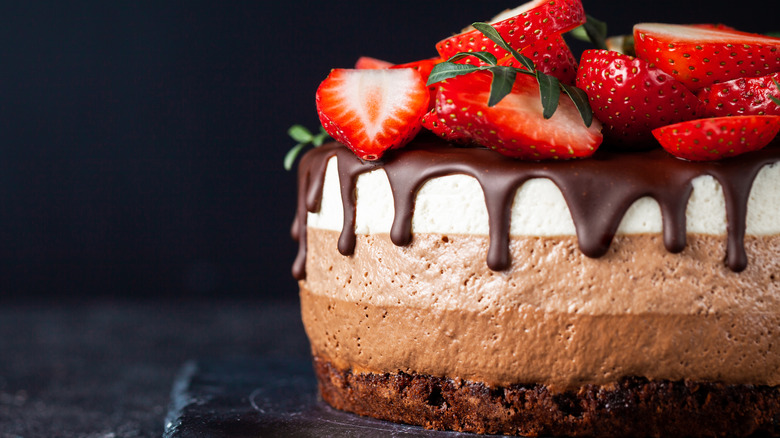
[[631, 407]]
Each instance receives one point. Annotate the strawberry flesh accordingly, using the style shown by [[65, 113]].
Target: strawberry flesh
[[631, 98], [743, 96], [718, 137], [515, 127], [699, 56], [372, 111]]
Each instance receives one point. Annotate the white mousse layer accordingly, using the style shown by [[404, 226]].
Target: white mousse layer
[[455, 204]]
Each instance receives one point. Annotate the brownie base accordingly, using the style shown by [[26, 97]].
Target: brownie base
[[632, 406]]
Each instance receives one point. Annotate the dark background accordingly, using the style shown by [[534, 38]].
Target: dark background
[[141, 143]]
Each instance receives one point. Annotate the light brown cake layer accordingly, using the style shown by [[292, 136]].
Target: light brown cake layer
[[556, 317]]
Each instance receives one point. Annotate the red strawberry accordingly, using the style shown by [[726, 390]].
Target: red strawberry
[[369, 63], [515, 126], [719, 137], [551, 55], [743, 96], [438, 125], [520, 27], [371, 111], [699, 56], [632, 98]]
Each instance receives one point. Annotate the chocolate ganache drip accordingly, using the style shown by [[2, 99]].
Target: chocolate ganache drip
[[598, 191]]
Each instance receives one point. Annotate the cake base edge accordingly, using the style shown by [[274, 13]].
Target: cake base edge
[[633, 406]]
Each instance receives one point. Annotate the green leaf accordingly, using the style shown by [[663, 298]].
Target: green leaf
[[447, 70], [503, 80], [319, 139], [773, 34], [550, 92], [292, 154], [580, 34], [490, 32], [596, 31], [486, 57], [580, 99], [299, 133]]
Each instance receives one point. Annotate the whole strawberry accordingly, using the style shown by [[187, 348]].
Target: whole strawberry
[[371, 111], [631, 98]]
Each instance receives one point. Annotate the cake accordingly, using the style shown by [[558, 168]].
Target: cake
[[619, 294]]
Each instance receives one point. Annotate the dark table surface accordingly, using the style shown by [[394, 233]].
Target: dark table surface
[[106, 369], [116, 369]]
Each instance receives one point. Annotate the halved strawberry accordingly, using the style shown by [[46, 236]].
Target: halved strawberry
[[700, 56], [551, 55], [515, 126], [369, 63], [718, 137], [631, 98], [371, 111], [743, 96], [520, 27]]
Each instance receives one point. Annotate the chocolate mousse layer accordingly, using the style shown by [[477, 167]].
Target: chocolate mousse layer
[[556, 317]]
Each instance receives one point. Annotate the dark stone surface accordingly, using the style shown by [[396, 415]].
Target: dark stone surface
[[266, 396], [106, 369], [116, 369]]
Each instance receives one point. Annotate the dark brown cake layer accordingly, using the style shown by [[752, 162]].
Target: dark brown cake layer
[[631, 407]]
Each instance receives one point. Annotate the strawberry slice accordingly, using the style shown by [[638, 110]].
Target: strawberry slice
[[719, 137], [700, 56], [515, 126], [369, 63], [631, 98], [371, 111], [551, 55], [520, 27], [743, 96]]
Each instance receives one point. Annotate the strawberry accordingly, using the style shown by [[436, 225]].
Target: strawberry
[[515, 126], [719, 137], [371, 111], [433, 122], [551, 55], [520, 27], [369, 63], [743, 96], [631, 98], [423, 66], [700, 56]]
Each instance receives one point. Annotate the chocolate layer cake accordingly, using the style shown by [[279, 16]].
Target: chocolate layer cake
[[626, 294]]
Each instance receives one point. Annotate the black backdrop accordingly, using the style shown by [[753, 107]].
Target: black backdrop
[[141, 143]]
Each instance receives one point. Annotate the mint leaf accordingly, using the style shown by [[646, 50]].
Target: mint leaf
[[299, 133], [550, 92], [580, 99], [291, 155], [486, 57], [503, 80], [448, 70], [593, 31], [304, 137], [596, 31]]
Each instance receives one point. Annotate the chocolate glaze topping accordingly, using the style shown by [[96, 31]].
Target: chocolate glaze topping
[[598, 191]]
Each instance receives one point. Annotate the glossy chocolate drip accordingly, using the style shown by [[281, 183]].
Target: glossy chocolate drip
[[598, 191]]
